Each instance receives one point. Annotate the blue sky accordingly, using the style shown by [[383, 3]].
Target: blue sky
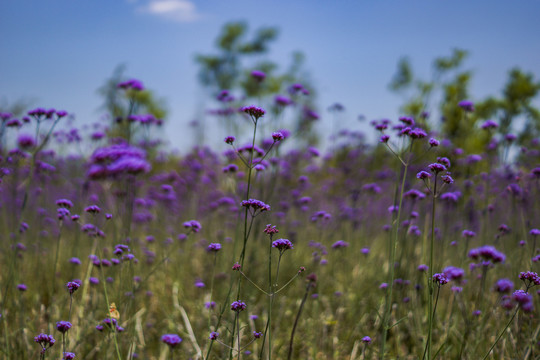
[[58, 52]]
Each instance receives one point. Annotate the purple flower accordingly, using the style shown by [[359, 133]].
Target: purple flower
[[258, 75], [238, 306], [237, 267], [63, 326], [417, 133], [277, 136], [436, 167], [72, 286], [255, 205], [69, 356], [132, 84], [534, 232], [530, 278], [434, 142], [253, 111], [194, 225], [487, 252], [214, 335], [21, 287], [45, 341], [282, 245], [340, 244], [384, 138], [65, 203], [257, 335], [504, 285], [92, 209], [466, 105], [440, 279], [453, 273], [423, 175], [26, 141], [230, 140], [213, 247], [271, 230], [282, 100], [171, 339], [447, 179], [489, 124], [366, 340], [422, 268]]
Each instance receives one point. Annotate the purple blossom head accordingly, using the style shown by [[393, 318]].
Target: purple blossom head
[[534, 232], [194, 225], [423, 268], [282, 100], [282, 244], [440, 279], [447, 179], [45, 341], [258, 75], [238, 306], [230, 140], [171, 339], [454, 273], [72, 286], [466, 105], [257, 335], [417, 133], [22, 287], [489, 125], [436, 168], [64, 203], [340, 244], [487, 252], [271, 229], [504, 285], [423, 175], [524, 299], [255, 205], [69, 356], [213, 335], [530, 278], [384, 138], [213, 247], [277, 136], [366, 340], [26, 141], [132, 84], [63, 326], [434, 142], [254, 111]]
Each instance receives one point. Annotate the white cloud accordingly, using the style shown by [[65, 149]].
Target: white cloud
[[177, 10]]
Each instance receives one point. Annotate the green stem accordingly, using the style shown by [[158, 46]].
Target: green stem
[[430, 280], [501, 334]]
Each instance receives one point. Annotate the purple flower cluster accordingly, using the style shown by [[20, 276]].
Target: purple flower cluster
[[194, 225], [73, 286], [270, 230], [487, 252], [45, 341], [213, 247], [63, 326], [117, 160], [254, 111], [132, 84], [171, 339], [238, 306], [255, 205], [440, 279], [530, 278], [282, 244]]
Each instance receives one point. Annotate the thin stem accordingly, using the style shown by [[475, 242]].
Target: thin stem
[[238, 326], [501, 334], [296, 321], [430, 280], [433, 315]]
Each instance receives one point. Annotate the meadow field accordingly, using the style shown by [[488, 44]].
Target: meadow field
[[409, 247]]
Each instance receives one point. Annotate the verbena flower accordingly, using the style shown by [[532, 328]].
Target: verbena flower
[[238, 306], [282, 244], [466, 105], [214, 335], [171, 339], [63, 326], [254, 111], [504, 285], [45, 341], [530, 278], [72, 286], [366, 340], [440, 278], [213, 247], [69, 356]]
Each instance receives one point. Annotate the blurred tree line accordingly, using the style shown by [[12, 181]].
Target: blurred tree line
[[513, 110]]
